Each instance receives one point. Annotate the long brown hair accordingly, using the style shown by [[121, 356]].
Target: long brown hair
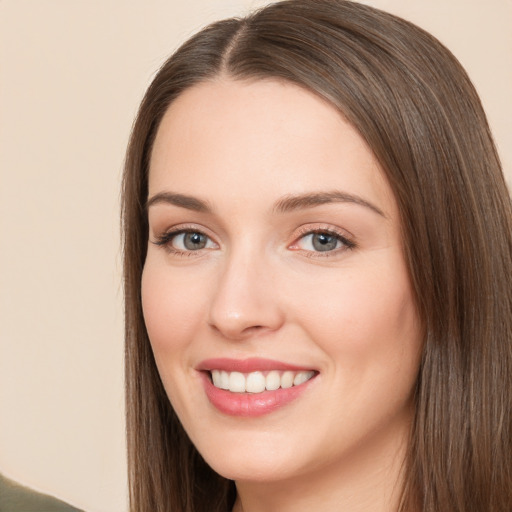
[[414, 105]]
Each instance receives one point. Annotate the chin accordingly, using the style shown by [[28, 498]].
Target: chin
[[258, 460], [249, 470]]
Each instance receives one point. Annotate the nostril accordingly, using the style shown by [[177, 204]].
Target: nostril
[[239, 332]]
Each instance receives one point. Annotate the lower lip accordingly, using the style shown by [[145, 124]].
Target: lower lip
[[251, 404]]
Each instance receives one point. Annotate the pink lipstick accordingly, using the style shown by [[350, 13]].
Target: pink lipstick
[[253, 387]]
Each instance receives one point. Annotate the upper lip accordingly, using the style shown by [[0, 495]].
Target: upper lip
[[247, 365]]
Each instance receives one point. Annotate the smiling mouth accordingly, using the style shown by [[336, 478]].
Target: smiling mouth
[[253, 387], [259, 381]]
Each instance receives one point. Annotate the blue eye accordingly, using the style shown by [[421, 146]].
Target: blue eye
[[186, 241], [190, 241], [323, 241]]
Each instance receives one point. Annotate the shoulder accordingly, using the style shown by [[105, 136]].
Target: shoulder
[[16, 498]]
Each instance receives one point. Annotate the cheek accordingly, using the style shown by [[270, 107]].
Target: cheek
[[365, 321], [171, 309], [368, 328]]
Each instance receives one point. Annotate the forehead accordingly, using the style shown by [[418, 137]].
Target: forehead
[[263, 135]]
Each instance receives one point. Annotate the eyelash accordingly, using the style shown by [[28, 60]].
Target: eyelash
[[347, 243], [165, 239]]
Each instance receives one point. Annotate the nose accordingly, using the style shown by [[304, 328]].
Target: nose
[[245, 302]]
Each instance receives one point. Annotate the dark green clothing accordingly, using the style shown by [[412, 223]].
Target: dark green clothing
[[16, 498]]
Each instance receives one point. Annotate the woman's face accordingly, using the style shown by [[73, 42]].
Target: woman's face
[[275, 257]]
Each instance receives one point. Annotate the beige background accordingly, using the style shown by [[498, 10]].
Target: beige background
[[71, 75]]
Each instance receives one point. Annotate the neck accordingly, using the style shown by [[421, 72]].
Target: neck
[[369, 480]]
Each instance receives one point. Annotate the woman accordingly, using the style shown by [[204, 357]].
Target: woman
[[317, 272]]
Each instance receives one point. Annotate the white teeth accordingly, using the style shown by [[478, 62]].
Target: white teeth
[[302, 377], [257, 382], [273, 380], [287, 380], [237, 382], [224, 380], [216, 378]]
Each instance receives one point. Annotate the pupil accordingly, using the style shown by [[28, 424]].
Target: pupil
[[324, 242], [194, 241]]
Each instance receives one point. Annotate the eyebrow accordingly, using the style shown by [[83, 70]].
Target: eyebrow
[[182, 200], [286, 204], [310, 200]]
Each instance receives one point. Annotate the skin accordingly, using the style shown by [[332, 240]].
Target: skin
[[260, 288]]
